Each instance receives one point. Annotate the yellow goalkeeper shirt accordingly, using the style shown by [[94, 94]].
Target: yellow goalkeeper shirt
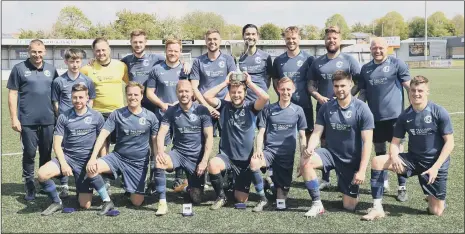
[[108, 82]]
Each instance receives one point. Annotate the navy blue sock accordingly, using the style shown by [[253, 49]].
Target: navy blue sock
[[160, 182], [64, 180], [402, 180], [99, 184], [377, 184], [313, 189], [325, 176], [51, 190], [217, 184], [257, 180]]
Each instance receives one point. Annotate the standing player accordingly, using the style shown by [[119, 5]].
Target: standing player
[[321, 73], [278, 124], [238, 123], [139, 66], [135, 128], [210, 70], [380, 84], [108, 76], [256, 62], [30, 86], [349, 125], [430, 144], [192, 144], [61, 93], [75, 134], [161, 92]]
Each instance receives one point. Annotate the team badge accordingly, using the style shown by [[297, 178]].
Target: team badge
[[193, 117], [347, 114], [88, 120], [27, 73], [221, 64], [339, 64], [427, 119], [299, 63], [47, 73], [386, 69], [145, 62], [142, 121], [258, 60], [242, 113]]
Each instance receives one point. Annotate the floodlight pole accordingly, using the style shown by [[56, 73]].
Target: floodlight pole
[[426, 36]]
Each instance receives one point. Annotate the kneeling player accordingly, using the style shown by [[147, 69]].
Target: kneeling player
[[135, 126], [430, 143], [348, 125], [238, 118], [192, 144], [75, 134], [277, 127]]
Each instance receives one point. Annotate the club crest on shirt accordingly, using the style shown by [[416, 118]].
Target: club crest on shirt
[[242, 113], [299, 63], [47, 73], [347, 114], [427, 119], [193, 117], [386, 69], [339, 64], [145, 62], [221, 64], [258, 60], [142, 121], [88, 120]]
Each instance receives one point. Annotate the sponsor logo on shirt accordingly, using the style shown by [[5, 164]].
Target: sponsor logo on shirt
[[341, 127], [421, 131]]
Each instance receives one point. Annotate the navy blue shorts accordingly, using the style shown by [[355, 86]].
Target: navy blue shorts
[[79, 173], [241, 172], [190, 166], [345, 172], [282, 172], [134, 174], [414, 168]]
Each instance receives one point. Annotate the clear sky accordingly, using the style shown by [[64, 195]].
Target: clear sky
[[42, 14]]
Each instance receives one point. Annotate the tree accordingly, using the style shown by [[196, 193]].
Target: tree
[[27, 34], [72, 24], [196, 24], [416, 27], [171, 28], [458, 22], [360, 27], [270, 31], [310, 32], [233, 32], [338, 20], [392, 24], [106, 31], [128, 21], [441, 25]]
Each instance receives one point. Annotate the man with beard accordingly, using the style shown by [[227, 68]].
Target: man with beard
[[161, 91], [192, 144], [75, 134], [321, 73], [276, 142], [255, 61], [31, 110], [380, 83], [139, 66], [349, 124], [431, 142], [238, 123], [135, 128], [210, 70]]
